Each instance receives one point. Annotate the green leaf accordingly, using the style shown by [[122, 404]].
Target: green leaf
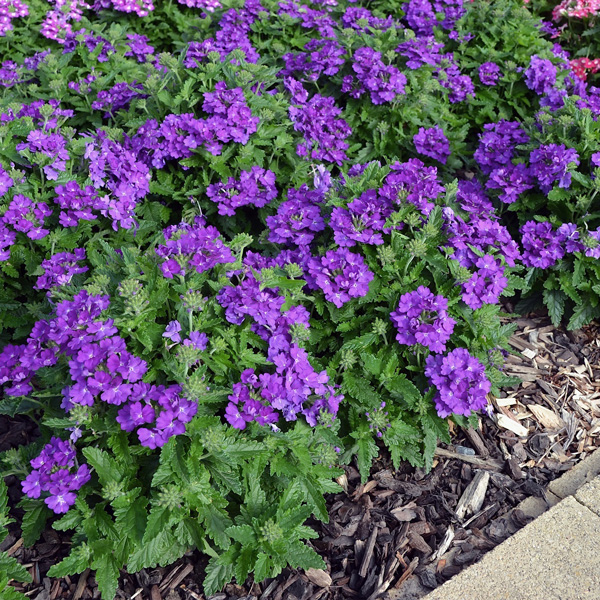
[[217, 525], [314, 497], [12, 569], [582, 315], [69, 521], [130, 520], [107, 468], [360, 389], [299, 555], [244, 534], [367, 452], [77, 562], [107, 575], [244, 564], [8, 592], [217, 575], [400, 387], [555, 302], [263, 567], [160, 549], [34, 522], [372, 364]]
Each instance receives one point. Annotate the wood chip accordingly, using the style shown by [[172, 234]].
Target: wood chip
[[81, 585], [15, 547], [509, 401], [155, 593], [507, 423], [414, 563], [405, 513], [370, 547], [319, 577], [474, 495], [477, 442], [546, 417], [417, 542], [342, 480], [181, 576], [488, 463]]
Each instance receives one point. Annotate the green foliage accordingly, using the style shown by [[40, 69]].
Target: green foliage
[[10, 569]]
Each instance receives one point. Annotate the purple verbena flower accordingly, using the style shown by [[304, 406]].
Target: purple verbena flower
[[461, 383], [543, 246], [433, 143], [540, 76], [341, 275], [512, 180], [550, 163], [486, 284], [172, 331], [489, 73], [422, 318]]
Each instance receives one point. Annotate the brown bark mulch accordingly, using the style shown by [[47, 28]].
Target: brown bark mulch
[[404, 532]]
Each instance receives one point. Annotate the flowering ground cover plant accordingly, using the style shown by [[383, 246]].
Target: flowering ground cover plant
[[243, 245]]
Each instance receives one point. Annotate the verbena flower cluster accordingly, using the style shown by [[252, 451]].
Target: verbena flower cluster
[[422, 318], [55, 471], [460, 380], [255, 187], [196, 246]]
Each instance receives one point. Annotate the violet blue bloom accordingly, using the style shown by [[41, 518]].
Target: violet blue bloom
[[461, 383], [432, 142], [540, 76], [172, 331], [550, 163], [422, 318], [489, 73]]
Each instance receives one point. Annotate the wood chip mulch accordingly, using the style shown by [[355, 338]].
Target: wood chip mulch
[[404, 532]]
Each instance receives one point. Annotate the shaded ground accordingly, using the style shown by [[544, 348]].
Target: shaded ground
[[404, 532]]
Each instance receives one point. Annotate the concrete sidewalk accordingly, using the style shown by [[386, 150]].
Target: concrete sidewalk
[[555, 557]]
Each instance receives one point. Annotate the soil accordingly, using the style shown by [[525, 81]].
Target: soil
[[403, 532]]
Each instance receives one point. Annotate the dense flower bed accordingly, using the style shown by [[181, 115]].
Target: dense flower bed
[[232, 235]]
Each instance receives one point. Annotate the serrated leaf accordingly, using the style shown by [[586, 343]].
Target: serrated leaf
[[69, 521], [360, 389], [8, 592], [555, 303], [130, 520], [291, 519], [217, 524], [582, 315], [314, 497], [160, 550], [400, 387], [299, 555], [217, 575], [372, 364], [77, 562], [263, 567], [34, 523], [107, 468], [243, 534], [244, 564], [367, 452], [107, 575], [12, 569]]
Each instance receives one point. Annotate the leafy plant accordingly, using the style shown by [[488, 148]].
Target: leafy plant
[[258, 243]]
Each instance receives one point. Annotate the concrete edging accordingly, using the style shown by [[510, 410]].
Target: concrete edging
[[555, 557]]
